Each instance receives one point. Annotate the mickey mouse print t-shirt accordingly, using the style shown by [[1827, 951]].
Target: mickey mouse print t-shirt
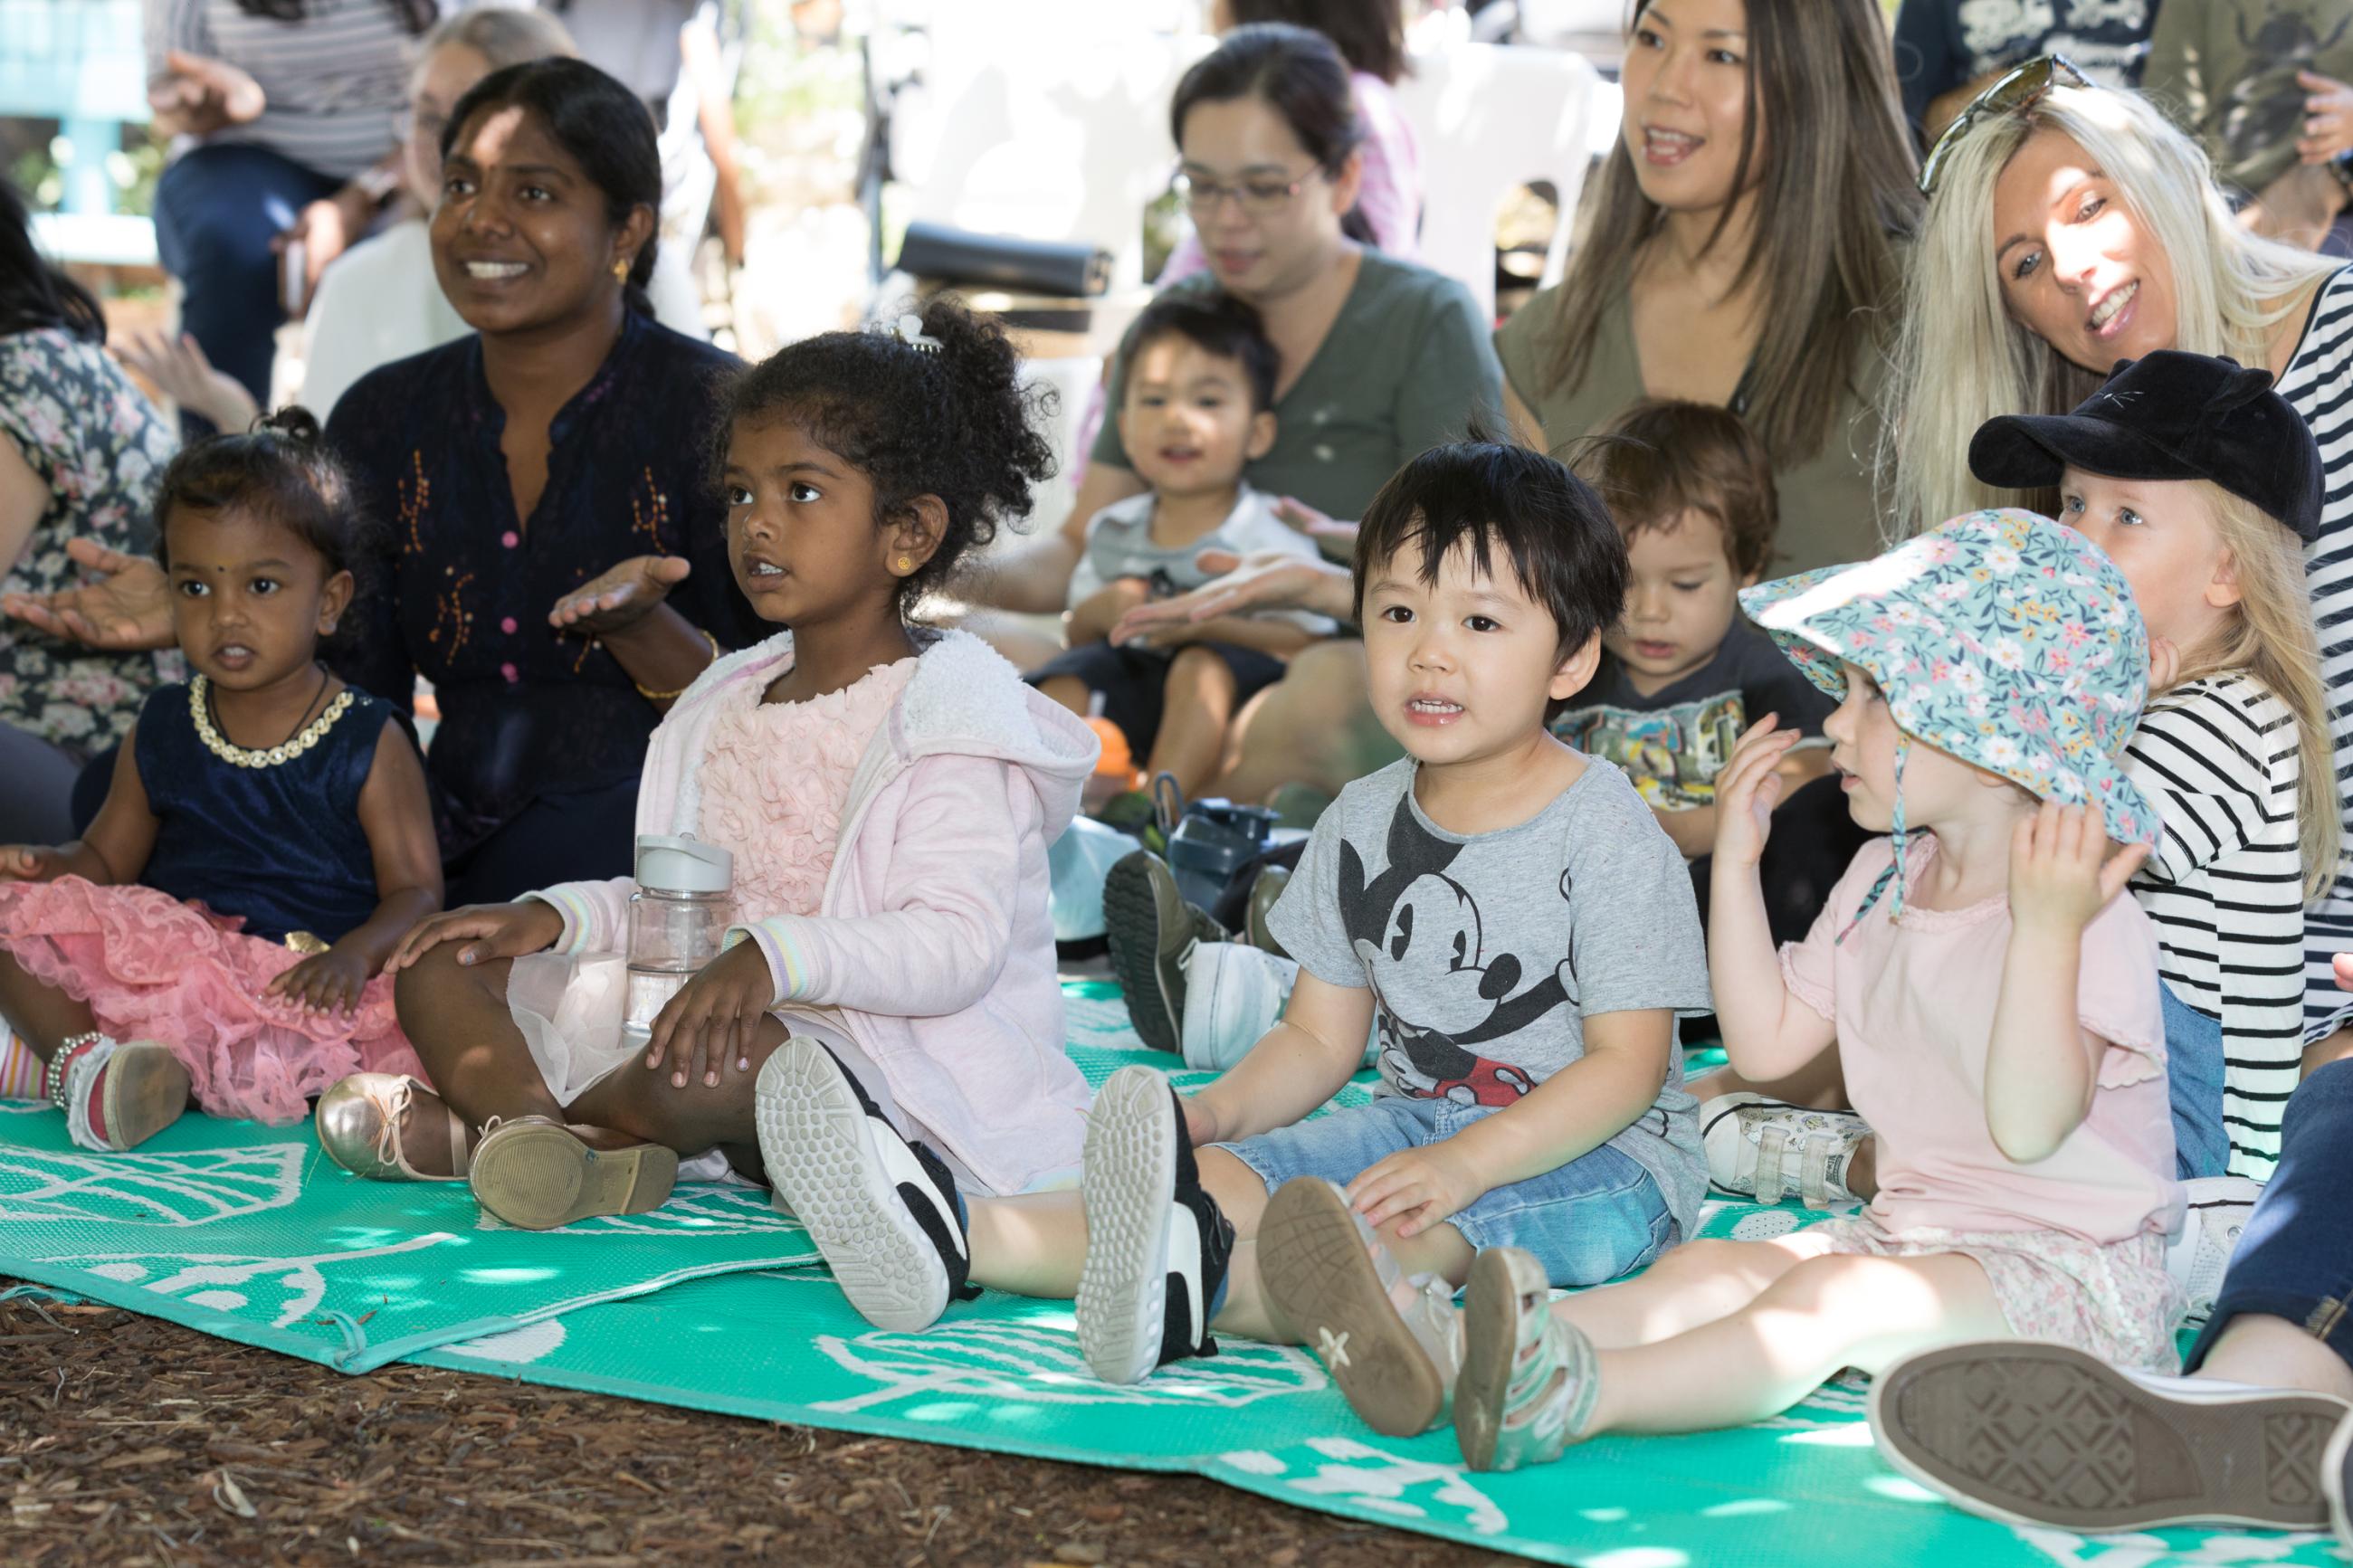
[[1486, 954]]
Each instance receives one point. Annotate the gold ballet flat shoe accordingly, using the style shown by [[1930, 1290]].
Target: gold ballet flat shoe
[[536, 1173], [359, 1127]]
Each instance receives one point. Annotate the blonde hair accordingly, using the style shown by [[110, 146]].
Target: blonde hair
[[2270, 635], [1961, 360]]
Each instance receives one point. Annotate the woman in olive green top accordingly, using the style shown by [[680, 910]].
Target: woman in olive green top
[[1381, 360], [1747, 231]]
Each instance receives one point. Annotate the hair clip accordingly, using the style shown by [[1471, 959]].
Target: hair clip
[[909, 330]]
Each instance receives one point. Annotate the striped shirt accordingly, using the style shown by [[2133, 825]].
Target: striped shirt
[[2318, 385], [2218, 758], [334, 81]]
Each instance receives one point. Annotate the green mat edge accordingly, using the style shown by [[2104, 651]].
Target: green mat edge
[[900, 1429], [367, 1354]]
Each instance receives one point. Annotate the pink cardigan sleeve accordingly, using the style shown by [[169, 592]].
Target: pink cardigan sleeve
[[595, 914], [1390, 195], [938, 940]]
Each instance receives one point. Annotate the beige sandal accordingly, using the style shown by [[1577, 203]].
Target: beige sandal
[[115, 1096], [536, 1173], [359, 1127]]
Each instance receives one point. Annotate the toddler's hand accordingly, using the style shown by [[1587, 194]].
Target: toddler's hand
[[2057, 880], [27, 863], [1747, 790], [2164, 664], [329, 981], [1315, 524], [620, 597], [488, 931], [1416, 1187], [709, 1022]]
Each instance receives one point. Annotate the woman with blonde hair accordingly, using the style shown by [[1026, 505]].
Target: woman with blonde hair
[[2070, 227]]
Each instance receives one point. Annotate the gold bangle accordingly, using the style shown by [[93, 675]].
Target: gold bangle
[[674, 696]]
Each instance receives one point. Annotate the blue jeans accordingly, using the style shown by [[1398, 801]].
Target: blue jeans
[[2193, 1066], [1597, 1217], [2296, 1261], [217, 207]]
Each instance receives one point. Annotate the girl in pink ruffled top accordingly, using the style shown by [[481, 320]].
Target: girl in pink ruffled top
[[887, 792], [219, 931]]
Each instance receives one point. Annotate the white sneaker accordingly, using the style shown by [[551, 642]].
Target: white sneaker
[[1767, 1150], [1233, 994], [2211, 1227]]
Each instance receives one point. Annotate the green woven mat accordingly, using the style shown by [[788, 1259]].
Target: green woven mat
[[245, 1232]]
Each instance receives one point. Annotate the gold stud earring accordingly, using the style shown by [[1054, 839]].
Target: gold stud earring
[[620, 272], [906, 564]]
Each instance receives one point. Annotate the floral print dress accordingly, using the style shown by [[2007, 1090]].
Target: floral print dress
[[99, 447]]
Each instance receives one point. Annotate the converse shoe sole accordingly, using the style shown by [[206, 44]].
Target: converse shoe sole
[[535, 1175], [2040, 1433], [852, 1183], [1136, 1236], [1321, 1278]]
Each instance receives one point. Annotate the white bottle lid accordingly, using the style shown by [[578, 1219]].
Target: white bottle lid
[[685, 866]]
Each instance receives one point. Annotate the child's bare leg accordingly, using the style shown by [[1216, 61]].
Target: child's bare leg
[[1197, 704], [1070, 691], [643, 1104], [1034, 1244], [1689, 1286], [1823, 1314], [43, 1016], [1819, 1085], [2271, 1352]]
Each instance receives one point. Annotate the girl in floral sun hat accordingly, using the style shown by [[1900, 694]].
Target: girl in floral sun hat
[[1991, 986]]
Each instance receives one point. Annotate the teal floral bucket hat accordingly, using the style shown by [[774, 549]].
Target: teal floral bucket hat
[[2002, 638]]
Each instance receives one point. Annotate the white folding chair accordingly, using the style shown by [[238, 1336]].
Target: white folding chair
[[1491, 119]]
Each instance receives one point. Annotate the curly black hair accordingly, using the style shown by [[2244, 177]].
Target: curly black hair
[[954, 422], [282, 470]]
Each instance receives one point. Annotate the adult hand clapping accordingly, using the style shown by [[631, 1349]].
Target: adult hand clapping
[[126, 610]]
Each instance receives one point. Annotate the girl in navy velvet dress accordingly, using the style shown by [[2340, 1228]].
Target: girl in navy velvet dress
[[220, 929]]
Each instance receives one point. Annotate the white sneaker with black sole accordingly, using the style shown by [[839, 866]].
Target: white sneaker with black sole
[[1158, 1248], [881, 1211], [2212, 1223]]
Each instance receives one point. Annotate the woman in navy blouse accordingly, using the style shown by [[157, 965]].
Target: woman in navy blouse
[[550, 553], [553, 555]]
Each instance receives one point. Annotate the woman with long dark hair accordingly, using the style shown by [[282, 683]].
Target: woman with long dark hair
[[1745, 250], [282, 113], [79, 453]]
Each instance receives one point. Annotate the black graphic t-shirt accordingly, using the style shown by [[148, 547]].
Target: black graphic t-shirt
[[1486, 953], [1674, 742]]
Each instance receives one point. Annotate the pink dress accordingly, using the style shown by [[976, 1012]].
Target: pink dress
[[2074, 1244], [774, 778], [278, 842]]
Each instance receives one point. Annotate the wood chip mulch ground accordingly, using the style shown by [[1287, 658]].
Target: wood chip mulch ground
[[127, 1441]]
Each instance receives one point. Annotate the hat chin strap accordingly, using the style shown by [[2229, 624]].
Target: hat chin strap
[[1893, 875]]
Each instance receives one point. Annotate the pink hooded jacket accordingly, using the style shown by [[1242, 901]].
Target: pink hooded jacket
[[933, 941]]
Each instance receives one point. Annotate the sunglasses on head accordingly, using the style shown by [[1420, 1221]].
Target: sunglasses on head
[[2020, 87]]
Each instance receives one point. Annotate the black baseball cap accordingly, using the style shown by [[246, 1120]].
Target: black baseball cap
[[2168, 415]]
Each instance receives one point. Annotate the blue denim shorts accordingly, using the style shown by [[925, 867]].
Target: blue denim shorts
[[1597, 1217], [2193, 1069]]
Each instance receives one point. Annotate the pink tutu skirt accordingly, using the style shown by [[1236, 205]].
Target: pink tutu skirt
[[152, 968]]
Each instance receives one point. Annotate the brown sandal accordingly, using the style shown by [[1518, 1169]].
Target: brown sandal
[[115, 1097], [536, 1173]]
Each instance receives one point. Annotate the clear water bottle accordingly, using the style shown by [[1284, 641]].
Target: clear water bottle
[[683, 905]]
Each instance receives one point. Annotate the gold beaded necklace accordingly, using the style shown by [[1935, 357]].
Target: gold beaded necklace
[[200, 706]]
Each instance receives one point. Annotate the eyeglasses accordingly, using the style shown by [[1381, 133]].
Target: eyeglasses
[[1257, 198], [2019, 89]]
